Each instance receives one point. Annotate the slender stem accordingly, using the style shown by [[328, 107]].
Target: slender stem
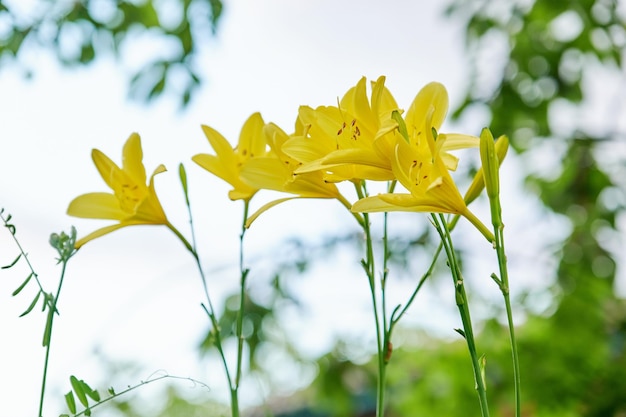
[[462, 304], [396, 318], [47, 338], [369, 266], [242, 299], [210, 310], [11, 229], [134, 387], [503, 282]]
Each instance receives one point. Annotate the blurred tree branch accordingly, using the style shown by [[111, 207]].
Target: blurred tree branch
[[77, 32]]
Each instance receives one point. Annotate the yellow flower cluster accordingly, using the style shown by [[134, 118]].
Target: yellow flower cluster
[[363, 137]]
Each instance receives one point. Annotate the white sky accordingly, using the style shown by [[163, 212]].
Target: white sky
[[135, 293]]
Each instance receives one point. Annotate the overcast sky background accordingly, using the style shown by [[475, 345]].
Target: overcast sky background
[[135, 293]]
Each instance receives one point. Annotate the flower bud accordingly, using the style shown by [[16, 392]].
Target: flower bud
[[490, 163]]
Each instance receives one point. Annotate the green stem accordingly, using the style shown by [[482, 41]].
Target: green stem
[[47, 338], [396, 318], [134, 387], [209, 309], [240, 313], [498, 227], [462, 304], [369, 266]]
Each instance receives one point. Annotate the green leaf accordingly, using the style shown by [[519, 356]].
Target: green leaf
[[157, 88], [15, 261], [32, 305], [71, 402], [79, 390], [48, 330], [92, 393], [21, 287]]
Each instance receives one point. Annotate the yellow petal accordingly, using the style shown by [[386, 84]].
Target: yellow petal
[[376, 204], [223, 149], [150, 209], [100, 232], [355, 102], [266, 173], [454, 141], [132, 157], [312, 186], [359, 156], [251, 139], [265, 208], [217, 167], [424, 203], [432, 96], [305, 149], [96, 206], [108, 170], [103, 231]]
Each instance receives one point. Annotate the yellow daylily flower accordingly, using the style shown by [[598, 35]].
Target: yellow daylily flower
[[228, 162], [132, 201], [418, 165], [340, 140], [275, 171]]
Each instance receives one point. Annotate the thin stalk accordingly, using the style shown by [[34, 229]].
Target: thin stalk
[[242, 299], [369, 266], [209, 309], [503, 283], [462, 304], [47, 338], [396, 318]]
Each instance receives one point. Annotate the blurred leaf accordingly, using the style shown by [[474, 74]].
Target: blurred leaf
[[21, 287], [78, 388], [71, 402], [32, 304], [122, 28], [12, 263]]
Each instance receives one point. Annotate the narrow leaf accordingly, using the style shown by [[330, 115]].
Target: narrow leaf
[[48, 330], [32, 305], [21, 287], [71, 402], [12, 263], [92, 393], [78, 389]]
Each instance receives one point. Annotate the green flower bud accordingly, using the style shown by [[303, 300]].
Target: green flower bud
[[490, 163]]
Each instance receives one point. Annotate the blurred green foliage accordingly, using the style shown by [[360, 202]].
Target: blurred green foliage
[[78, 32]]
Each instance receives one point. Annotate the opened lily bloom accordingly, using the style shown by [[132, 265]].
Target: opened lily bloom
[[341, 141], [418, 165], [227, 162], [275, 171], [132, 201]]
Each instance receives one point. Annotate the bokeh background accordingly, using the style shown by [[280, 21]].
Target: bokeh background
[[77, 75]]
